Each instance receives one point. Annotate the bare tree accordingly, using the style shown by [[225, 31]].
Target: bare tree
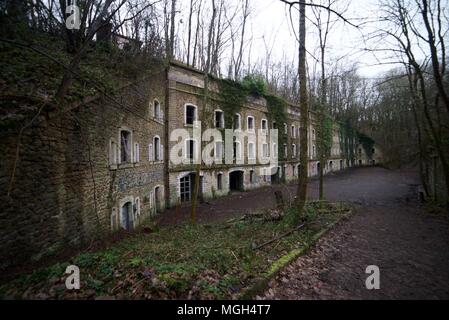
[[304, 111], [239, 59], [303, 95], [204, 110], [323, 146]]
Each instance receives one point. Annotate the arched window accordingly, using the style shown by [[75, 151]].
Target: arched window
[[264, 125], [237, 152], [157, 148], [157, 112], [265, 151], [219, 181], [190, 147], [218, 150], [126, 216], [275, 150], [293, 150], [219, 119], [251, 150], [293, 131], [125, 146], [237, 122], [190, 114], [158, 194], [250, 123]]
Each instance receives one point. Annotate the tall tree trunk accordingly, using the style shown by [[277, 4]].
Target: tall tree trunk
[[322, 124], [189, 37], [196, 35], [304, 111], [205, 106], [422, 173], [437, 72], [239, 59], [172, 29]]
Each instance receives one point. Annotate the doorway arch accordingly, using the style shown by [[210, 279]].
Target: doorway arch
[[236, 180], [126, 216], [276, 175], [187, 187]]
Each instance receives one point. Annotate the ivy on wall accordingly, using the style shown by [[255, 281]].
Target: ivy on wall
[[347, 135], [255, 85], [367, 144], [277, 112], [232, 96], [324, 134]]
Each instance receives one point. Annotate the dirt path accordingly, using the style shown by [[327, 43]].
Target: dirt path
[[390, 230], [369, 185]]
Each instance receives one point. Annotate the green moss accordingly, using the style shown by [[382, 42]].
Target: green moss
[[277, 112], [255, 85], [367, 144], [218, 258], [324, 134], [347, 134], [232, 96]]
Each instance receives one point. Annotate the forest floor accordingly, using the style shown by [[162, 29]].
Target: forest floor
[[407, 241], [214, 259]]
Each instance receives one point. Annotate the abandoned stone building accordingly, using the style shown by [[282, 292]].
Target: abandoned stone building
[[101, 167], [364, 157]]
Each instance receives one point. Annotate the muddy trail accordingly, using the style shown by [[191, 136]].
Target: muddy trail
[[390, 229]]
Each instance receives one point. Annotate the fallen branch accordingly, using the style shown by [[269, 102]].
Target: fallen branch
[[279, 237]]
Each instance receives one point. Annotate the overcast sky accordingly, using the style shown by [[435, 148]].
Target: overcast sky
[[270, 26], [271, 19]]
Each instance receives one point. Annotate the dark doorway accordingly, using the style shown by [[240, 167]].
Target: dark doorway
[[275, 177], [341, 164], [236, 181], [187, 185], [318, 168], [360, 162], [157, 198], [126, 216]]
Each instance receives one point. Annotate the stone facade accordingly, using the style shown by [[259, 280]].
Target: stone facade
[[105, 165], [70, 184], [373, 158]]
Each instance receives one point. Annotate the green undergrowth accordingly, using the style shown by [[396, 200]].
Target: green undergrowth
[[183, 262], [32, 67]]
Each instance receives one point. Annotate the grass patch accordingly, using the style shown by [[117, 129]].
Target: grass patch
[[182, 262]]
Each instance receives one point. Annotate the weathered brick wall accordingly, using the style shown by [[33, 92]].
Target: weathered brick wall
[[186, 88], [362, 156], [64, 188], [66, 191]]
